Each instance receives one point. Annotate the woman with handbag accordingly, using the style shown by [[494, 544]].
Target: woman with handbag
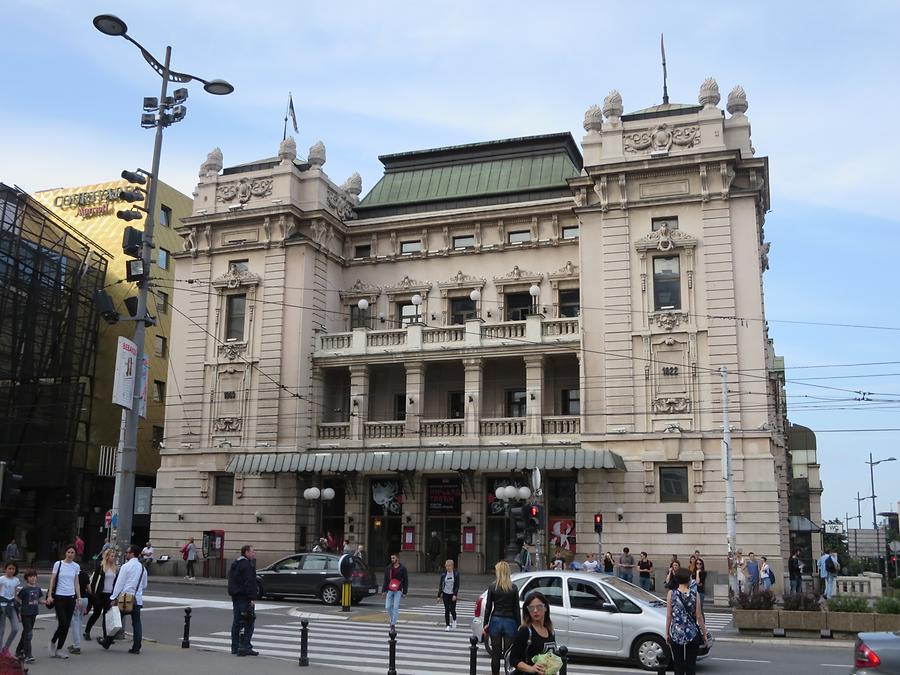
[[102, 582], [63, 597], [501, 614], [685, 627]]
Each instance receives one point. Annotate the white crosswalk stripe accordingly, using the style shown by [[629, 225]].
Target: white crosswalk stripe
[[716, 622], [422, 648], [465, 610]]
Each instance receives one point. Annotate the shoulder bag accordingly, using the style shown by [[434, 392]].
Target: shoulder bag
[[511, 668], [125, 601], [690, 614]]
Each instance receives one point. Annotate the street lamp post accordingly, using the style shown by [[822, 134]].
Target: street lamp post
[[124, 507], [318, 496], [872, 463]]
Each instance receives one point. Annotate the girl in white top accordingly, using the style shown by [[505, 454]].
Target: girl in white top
[[9, 584], [65, 592], [102, 582]]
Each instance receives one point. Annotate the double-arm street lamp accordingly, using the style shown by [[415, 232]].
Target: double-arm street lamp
[[167, 111], [872, 464]]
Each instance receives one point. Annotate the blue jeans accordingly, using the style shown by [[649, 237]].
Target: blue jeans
[[797, 585], [392, 605], [136, 628], [627, 576], [644, 583], [503, 625], [241, 628], [829, 586]]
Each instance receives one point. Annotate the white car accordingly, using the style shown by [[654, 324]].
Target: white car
[[598, 615]]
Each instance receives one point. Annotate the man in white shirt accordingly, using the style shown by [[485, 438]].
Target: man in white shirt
[[590, 565], [132, 580]]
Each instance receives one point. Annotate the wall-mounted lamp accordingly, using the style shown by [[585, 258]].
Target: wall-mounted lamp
[[408, 519], [531, 395], [355, 403], [620, 513], [433, 317], [363, 305], [468, 516], [258, 516], [489, 314], [381, 318], [411, 401], [471, 399], [180, 514]]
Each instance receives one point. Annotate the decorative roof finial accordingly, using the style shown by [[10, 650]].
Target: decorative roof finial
[[287, 151], [737, 101], [612, 106], [353, 185], [709, 94], [213, 164], [593, 119], [316, 156]]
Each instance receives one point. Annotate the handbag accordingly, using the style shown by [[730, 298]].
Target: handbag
[[511, 668], [394, 584], [113, 620], [125, 601]]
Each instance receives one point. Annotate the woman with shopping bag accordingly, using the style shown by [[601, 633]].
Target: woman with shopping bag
[[102, 582]]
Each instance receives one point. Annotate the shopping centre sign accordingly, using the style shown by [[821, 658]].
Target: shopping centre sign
[[89, 204]]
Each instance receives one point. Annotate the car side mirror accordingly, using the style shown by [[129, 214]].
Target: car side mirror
[[609, 607]]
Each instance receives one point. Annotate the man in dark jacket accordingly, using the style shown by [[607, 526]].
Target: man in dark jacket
[[242, 588], [396, 583]]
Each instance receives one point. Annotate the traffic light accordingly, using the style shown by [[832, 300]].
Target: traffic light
[[535, 518], [518, 515], [9, 484], [598, 523], [105, 307]]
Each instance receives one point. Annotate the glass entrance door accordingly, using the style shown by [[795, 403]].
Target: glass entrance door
[[444, 499]]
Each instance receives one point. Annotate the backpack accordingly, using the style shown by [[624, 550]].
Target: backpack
[[771, 576], [184, 552], [830, 567], [510, 668]]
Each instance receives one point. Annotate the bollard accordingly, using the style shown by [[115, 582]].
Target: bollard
[[473, 654], [186, 640], [392, 652], [304, 640], [346, 595], [563, 652]]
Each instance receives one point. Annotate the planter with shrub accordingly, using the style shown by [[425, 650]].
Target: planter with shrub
[[801, 611]]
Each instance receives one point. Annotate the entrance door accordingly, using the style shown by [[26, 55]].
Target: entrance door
[[444, 499], [385, 518]]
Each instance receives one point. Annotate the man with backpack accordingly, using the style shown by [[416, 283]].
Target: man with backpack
[[828, 570], [243, 590]]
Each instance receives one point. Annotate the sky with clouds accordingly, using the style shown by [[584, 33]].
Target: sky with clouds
[[378, 78]]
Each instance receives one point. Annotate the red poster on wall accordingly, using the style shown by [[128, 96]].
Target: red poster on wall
[[469, 539], [408, 543], [562, 533]]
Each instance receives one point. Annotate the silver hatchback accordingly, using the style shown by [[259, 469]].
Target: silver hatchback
[[598, 615]]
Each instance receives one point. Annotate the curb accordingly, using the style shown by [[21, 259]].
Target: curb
[[787, 642]]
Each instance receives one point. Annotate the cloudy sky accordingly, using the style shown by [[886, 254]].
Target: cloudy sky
[[376, 78]]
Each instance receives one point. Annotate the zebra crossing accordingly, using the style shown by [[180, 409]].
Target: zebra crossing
[[717, 621], [465, 610]]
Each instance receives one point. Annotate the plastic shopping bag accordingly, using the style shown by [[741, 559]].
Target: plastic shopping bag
[[113, 621]]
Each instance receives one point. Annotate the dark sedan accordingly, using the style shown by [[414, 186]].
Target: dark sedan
[[315, 574]]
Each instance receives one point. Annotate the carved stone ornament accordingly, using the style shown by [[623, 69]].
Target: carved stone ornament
[[316, 156], [737, 101], [213, 164], [668, 320], [243, 190], [665, 239], [287, 151], [568, 271], [764, 256], [671, 404], [612, 106], [235, 278], [232, 350], [460, 280], [227, 424], [359, 290], [407, 285], [517, 276], [341, 203], [189, 240], [661, 138], [593, 119], [709, 93], [353, 186]]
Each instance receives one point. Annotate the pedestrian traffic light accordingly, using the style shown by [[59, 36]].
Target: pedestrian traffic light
[[517, 514], [105, 307], [9, 484], [535, 517], [598, 523], [132, 242]]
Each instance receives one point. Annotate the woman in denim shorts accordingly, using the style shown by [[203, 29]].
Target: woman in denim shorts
[[502, 614]]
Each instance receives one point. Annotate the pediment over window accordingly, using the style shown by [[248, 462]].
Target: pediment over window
[[360, 290], [567, 272], [460, 280], [407, 285], [236, 278], [518, 276], [665, 239]]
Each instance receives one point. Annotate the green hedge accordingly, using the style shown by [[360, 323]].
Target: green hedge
[[801, 602], [888, 606], [848, 603]]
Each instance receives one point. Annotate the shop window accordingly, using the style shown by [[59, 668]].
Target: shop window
[[456, 408], [571, 232], [674, 523], [666, 283], [413, 246], [518, 237], [570, 302], [673, 484], [461, 310], [223, 493], [571, 401], [235, 311], [362, 251], [464, 241], [518, 306], [515, 403]]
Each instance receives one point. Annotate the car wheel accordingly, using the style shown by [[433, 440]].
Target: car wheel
[[650, 652], [259, 591], [330, 594]]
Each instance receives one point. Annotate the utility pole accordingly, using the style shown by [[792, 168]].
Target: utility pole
[[730, 522], [858, 518]]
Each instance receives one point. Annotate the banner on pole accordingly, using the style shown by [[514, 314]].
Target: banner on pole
[[123, 382]]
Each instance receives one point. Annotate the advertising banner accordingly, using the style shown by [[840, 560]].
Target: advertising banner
[[123, 382]]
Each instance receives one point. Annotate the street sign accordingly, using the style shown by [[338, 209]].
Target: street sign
[[895, 546], [834, 528], [536, 480], [107, 520]]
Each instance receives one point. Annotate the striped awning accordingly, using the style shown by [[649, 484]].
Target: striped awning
[[481, 459]]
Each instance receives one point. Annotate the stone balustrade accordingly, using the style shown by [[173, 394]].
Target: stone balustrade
[[391, 429], [503, 331], [441, 428], [435, 336], [561, 424], [329, 430], [385, 338], [867, 585], [559, 327], [504, 426], [334, 342]]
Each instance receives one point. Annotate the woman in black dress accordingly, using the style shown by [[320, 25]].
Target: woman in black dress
[[535, 636], [609, 565]]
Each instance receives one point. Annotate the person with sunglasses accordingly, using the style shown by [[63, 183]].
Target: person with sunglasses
[[535, 635], [700, 579]]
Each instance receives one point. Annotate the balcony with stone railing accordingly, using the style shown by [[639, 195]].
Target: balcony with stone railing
[[389, 429], [453, 428], [558, 425], [504, 426], [334, 430]]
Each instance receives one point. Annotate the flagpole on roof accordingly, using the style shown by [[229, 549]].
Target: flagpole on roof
[[662, 48], [284, 133]]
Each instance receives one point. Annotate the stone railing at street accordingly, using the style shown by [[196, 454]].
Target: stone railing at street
[[867, 585]]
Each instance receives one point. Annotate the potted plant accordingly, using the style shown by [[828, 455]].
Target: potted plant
[[754, 611]]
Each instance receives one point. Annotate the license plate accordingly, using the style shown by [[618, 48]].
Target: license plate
[[374, 589]]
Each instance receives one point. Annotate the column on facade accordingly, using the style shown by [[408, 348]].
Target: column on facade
[[359, 400], [473, 378], [415, 392], [534, 389], [316, 394]]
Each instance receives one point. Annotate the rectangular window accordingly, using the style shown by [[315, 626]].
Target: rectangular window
[[158, 437], [223, 495], [399, 406], [408, 313], [160, 346], [674, 523], [165, 216], [162, 259], [464, 241], [570, 302], [461, 310], [571, 232], [670, 222], [571, 402], [518, 306], [518, 237], [455, 405], [515, 403], [162, 302], [411, 246], [235, 310], [362, 251], [159, 391], [360, 318], [239, 265], [666, 283], [673, 484]]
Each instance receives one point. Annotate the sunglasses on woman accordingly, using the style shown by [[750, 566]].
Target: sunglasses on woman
[[537, 607]]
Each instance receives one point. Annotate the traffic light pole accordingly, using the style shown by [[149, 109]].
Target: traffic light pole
[[124, 506]]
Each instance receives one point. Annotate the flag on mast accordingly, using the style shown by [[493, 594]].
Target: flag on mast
[[291, 113], [662, 49]]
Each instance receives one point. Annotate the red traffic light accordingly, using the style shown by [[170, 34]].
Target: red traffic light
[[534, 511], [598, 523]]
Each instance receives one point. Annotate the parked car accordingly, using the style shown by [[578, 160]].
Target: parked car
[[315, 574], [876, 653], [598, 615]]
